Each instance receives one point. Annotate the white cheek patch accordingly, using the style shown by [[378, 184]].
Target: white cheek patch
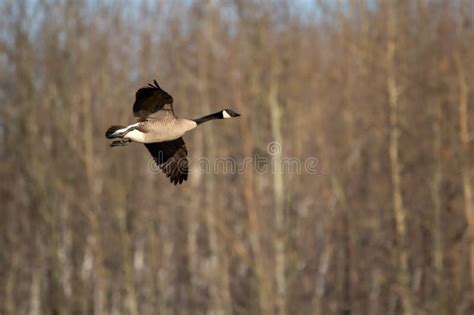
[[225, 114]]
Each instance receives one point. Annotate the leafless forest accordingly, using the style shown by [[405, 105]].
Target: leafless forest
[[381, 93]]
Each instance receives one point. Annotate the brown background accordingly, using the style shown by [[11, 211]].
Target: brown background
[[380, 92]]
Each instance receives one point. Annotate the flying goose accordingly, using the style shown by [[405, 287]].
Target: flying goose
[[161, 131]]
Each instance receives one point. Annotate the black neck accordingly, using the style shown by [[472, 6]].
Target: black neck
[[203, 119]]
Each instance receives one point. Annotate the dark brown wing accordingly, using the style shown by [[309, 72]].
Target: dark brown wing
[[150, 99], [171, 157]]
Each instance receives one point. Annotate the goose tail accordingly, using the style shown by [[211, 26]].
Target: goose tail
[[110, 133]]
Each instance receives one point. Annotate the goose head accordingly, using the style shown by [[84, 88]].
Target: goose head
[[228, 113]]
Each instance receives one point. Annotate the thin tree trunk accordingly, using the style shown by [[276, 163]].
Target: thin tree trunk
[[218, 274], [131, 297], [321, 281], [8, 305], [155, 253], [329, 251], [35, 294], [400, 212], [278, 193], [91, 208], [438, 263], [193, 222], [376, 277], [218, 284], [464, 138], [263, 283]]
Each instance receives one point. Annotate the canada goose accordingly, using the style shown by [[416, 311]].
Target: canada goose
[[161, 131]]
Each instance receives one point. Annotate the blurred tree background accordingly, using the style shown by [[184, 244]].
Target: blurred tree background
[[380, 92]]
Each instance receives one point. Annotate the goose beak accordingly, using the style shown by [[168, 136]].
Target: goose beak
[[231, 113]]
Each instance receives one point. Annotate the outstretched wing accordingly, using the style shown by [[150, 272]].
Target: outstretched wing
[[171, 157], [150, 99]]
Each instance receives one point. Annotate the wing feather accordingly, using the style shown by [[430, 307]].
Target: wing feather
[[150, 99], [171, 157]]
